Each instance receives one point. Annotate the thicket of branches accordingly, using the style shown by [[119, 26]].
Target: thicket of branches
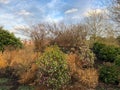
[[95, 25], [59, 34]]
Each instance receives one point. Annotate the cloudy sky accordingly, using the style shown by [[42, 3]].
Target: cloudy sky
[[14, 13]]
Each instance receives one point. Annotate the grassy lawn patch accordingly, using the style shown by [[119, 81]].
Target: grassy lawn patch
[[26, 88], [3, 80]]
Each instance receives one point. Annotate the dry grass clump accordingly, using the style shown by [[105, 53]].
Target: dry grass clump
[[29, 76], [88, 77], [3, 63], [71, 63], [22, 62], [23, 57], [9, 55]]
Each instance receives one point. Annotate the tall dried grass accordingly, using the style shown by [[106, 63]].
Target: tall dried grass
[[71, 63], [88, 77], [21, 61], [22, 57], [3, 63], [29, 76]]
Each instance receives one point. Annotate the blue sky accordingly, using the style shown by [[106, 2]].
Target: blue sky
[[15, 13]]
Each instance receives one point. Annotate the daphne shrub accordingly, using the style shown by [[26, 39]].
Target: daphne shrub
[[53, 69]]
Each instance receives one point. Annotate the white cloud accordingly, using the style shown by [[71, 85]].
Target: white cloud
[[20, 27], [71, 10], [4, 1], [76, 17], [19, 31], [94, 11], [24, 13], [5, 20], [52, 19], [10, 22], [6, 15]]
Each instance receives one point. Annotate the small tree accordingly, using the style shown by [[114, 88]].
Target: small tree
[[8, 39], [53, 69]]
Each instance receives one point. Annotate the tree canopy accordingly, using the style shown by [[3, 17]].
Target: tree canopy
[[8, 39]]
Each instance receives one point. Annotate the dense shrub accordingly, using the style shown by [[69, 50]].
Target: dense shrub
[[53, 68], [117, 50], [117, 60], [105, 53], [108, 53], [109, 74], [86, 56], [8, 39], [97, 47]]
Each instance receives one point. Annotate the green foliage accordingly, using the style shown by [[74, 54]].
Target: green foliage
[[109, 74], [5, 87], [3, 80], [108, 53], [26, 88], [53, 68], [117, 60], [105, 53], [8, 39], [117, 50], [97, 47], [87, 56]]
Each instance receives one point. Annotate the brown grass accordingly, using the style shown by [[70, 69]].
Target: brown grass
[[23, 57], [29, 76], [88, 77], [74, 62], [3, 63], [71, 63], [22, 61]]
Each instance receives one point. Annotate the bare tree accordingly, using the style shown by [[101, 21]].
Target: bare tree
[[39, 36], [61, 34], [70, 35], [114, 14], [94, 23], [114, 9], [38, 33]]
